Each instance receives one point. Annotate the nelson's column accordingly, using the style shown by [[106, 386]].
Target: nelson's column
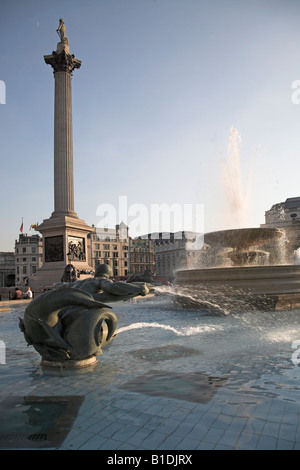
[[64, 234]]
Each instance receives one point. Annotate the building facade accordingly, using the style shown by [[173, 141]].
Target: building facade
[[283, 214], [28, 257], [286, 215], [110, 246], [7, 269], [174, 251], [142, 255]]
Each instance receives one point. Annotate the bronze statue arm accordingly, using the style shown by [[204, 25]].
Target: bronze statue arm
[[123, 289]]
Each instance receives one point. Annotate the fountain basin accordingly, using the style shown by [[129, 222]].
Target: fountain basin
[[242, 242], [248, 257], [262, 287], [244, 237]]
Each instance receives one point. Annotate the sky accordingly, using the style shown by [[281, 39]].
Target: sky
[[162, 86]]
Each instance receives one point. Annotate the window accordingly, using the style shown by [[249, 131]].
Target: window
[[33, 258], [33, 250], [115, 247], [24, 250], [33, 269], [106, 246], [115, 254], [24, 269], [106, 254]]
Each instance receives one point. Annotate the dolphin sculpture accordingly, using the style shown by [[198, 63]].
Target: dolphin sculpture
[[68, 324]]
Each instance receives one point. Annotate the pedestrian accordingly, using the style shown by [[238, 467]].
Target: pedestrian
[[28, 294], [18, 294]]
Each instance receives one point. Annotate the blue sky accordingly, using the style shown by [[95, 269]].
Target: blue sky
[[161, 84]]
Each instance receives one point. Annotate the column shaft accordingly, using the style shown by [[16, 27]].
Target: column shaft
[[63, 146]]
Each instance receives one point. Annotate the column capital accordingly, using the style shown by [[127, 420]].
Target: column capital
[[62, 62]]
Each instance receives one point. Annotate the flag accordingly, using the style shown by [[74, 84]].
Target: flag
[[21, 228], [34, 226]]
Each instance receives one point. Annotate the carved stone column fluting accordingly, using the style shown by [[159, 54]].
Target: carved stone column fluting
[[63, 64]]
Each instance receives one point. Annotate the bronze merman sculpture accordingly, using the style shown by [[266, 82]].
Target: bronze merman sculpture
[[71, 322], [104, 289]]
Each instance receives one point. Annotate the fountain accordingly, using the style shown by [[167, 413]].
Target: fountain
[[241, 267], [247, 283]]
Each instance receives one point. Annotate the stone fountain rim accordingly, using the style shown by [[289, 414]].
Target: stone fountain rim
[[281, 267]]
